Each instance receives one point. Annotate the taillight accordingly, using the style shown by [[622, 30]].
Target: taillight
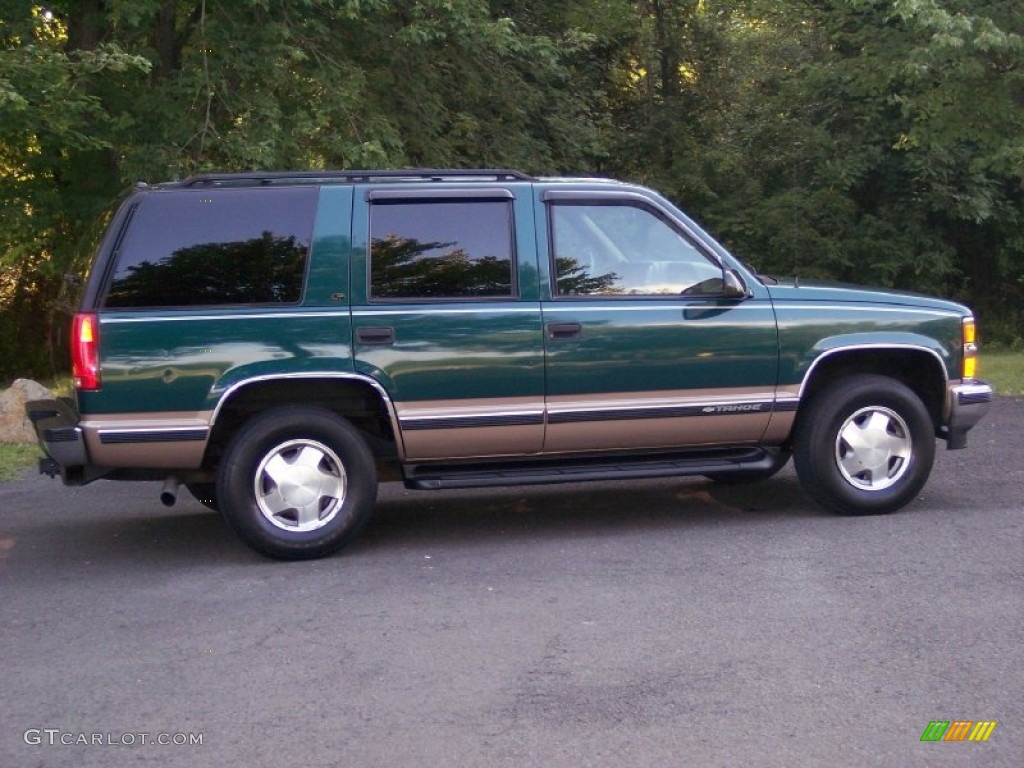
[[970, 348], [85, 351]]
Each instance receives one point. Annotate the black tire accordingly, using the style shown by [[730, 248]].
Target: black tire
[[205, 494], [323, 494], [743, 478], [864, 445]]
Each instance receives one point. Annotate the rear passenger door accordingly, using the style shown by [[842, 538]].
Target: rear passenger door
[[446, 316], [644, 348]]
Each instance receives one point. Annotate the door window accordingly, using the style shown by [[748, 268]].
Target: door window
[[441, 249]]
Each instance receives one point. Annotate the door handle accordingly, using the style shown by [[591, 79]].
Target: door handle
[[564, 330], [375, 335]]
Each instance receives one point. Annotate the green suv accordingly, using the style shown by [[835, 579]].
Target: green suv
[[280, 342]]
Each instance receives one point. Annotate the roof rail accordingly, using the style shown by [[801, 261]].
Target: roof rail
[[264, 178]]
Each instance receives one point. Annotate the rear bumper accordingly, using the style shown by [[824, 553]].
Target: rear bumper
[[966, 404], [125, 447], [62, 440], [57, 430]]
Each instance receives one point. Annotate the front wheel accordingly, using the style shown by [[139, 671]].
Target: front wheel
[[864, 445], [297, 483]]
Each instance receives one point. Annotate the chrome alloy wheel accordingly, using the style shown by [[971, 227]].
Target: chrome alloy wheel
[[300, 485], [873, 448]]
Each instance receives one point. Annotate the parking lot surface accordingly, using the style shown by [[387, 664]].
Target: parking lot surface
[[672, 622]]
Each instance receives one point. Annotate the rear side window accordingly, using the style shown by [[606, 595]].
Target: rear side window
[[441, 249], [188, 248]]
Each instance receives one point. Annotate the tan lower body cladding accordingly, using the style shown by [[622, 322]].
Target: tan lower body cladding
[[168, 440], [457, 429], [604, 422]]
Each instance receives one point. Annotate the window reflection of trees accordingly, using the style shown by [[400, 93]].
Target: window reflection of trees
[[402, 269], [637, 279], [574, 280], [265, 269]]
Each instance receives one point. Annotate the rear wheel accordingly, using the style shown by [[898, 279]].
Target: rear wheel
[[297, 483], [864, 445]]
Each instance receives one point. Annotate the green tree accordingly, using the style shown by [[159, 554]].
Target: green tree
[[878, 141], [55, 131], [875, 141], [95, 95]]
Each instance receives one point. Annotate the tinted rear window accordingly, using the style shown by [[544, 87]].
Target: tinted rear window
[[207, 247]]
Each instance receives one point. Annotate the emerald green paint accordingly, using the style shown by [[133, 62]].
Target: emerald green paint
[[486, 350], [181, 361], [815, 319], [666, 344], [542, 239], [528, 277], [328, 282], [824, 292], [670, 343], [454, 349]]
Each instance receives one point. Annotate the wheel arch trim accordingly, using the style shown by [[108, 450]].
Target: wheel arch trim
[[876, 347], [385, 396]]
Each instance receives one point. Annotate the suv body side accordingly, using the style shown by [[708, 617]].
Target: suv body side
[[491, 377]]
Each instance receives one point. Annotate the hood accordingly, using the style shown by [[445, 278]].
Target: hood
[[790, 289]]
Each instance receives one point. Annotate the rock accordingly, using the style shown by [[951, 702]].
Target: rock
[[14, 424]]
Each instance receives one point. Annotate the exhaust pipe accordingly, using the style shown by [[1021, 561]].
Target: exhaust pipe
[[169, 493]]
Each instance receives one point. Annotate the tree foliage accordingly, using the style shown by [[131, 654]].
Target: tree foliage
[[878, 141]]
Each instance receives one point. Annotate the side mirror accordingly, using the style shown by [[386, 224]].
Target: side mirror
[[734, 287]]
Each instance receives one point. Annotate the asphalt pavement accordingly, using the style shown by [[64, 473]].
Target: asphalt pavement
[[661, 623]]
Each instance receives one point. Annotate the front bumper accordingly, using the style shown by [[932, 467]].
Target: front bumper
[[966, 403]]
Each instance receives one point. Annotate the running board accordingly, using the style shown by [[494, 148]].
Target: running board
[[576, 470]]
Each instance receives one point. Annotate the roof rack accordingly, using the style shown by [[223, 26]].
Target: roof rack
[[265, 178]]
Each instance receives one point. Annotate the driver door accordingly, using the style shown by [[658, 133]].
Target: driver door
[[642, 347]]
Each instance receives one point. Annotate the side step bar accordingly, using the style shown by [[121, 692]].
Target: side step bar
[[574, 469]]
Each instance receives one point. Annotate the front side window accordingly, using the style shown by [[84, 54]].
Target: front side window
[[441, 249], [623, 249], [187, 248]]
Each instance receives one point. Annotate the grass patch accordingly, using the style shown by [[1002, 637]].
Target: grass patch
[[60, 386], [15, 459], [1004, 370]]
